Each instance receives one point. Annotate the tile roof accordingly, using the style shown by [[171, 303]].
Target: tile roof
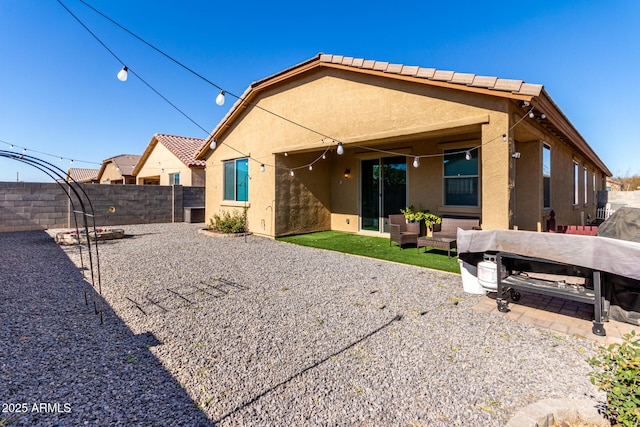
[[465, 79], [559, 124], [82, 174], [184, 148], [125, 163]]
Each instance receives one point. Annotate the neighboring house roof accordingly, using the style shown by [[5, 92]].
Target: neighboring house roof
[[183, 147], [124, 163], [556, 122], [82, 174]]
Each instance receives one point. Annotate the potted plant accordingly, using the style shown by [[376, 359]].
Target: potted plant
[[422, 216]]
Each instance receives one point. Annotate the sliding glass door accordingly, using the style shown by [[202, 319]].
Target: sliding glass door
[[383, 191]]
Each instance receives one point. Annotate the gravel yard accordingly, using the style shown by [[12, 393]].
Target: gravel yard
[[202, 330]]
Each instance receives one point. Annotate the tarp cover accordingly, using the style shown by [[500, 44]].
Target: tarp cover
[[615, 256], [619, 259], [624, 224]]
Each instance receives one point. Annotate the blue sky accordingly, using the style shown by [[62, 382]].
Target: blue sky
[[59, 93]]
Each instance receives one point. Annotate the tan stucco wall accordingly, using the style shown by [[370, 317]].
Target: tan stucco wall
[[530, 212], [162, 162], [110, 174], [362, 111]]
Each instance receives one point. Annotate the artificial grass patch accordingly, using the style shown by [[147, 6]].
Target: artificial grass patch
[[376, 247]]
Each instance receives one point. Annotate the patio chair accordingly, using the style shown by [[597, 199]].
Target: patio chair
[[401, 232]]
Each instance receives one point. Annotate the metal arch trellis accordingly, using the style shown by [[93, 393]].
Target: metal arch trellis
[[60, 177]]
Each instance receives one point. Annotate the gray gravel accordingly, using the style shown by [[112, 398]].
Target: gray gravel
[[253, 332]]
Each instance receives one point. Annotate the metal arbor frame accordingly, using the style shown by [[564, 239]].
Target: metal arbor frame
[[88, 221]]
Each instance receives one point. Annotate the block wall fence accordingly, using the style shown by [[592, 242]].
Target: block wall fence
[[37, 206]]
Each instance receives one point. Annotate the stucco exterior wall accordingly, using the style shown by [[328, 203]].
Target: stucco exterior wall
[[530, 213], [374, 117], [162, 162], [528, 191], [110, 174], [359, 110]]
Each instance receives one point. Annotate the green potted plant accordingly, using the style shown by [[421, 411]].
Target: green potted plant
[[422, 216]]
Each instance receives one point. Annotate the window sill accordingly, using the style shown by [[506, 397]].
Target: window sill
[[234, 204], [460, 210]]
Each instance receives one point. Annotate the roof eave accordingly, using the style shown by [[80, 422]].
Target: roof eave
[[545, 103], [147, 152]]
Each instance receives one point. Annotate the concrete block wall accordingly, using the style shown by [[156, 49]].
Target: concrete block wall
[[618, 199], [33, 206]]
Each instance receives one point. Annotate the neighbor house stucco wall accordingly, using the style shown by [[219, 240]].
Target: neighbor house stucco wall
[[162, 162], [111, 175]]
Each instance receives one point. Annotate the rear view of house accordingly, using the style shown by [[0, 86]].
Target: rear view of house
[[363, 139]]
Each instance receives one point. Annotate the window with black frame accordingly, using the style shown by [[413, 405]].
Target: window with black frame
[[546, 176], [461, 178], [236, 180]]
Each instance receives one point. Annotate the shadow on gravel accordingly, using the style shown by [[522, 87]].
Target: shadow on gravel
[[59, 366], [397, 318]]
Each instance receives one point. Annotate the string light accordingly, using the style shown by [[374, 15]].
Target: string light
[[213, 144], [220, 98], [310, 167], [123, 74], [291, 172], [262, 168], [324, 156], [416, 162], [504, 137], [467, 155]]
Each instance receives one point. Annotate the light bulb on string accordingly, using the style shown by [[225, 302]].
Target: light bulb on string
[[213, 144], [340, 149], [467, 155], [504, 137], [11, 147], [60, 158], [262, 168], [71, 161], [531, 115], [324, 156], [416, 162], [286, 154], [123, 74], [220, 98], [24, 151], [310, 167], [291, 172]]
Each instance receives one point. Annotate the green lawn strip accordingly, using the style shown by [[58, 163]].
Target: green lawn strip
[[375, 247]]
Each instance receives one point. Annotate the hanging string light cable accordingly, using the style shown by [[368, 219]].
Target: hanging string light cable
[[185, 67], [24, 149], [220, 99], [125, 68]]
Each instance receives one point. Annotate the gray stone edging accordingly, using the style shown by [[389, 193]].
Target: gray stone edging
[[222, 235], [545, 412]]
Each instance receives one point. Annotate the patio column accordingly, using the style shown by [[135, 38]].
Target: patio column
[[496, 173]]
